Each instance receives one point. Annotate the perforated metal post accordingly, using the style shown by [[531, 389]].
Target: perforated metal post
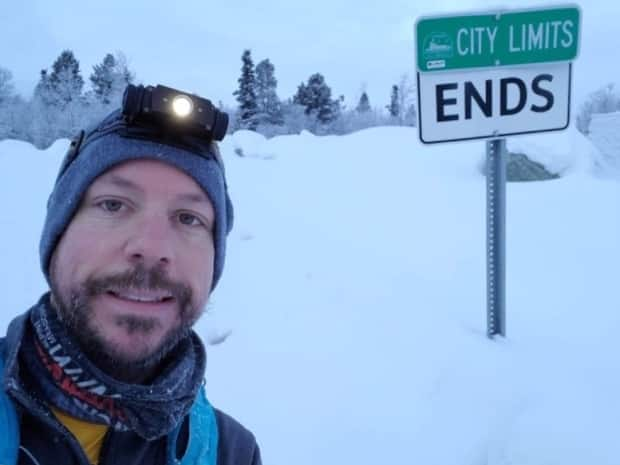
[[496, 237]]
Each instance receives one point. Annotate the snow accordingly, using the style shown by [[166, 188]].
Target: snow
[[245, 143], [605, 134], [560, 152], [354, 291]]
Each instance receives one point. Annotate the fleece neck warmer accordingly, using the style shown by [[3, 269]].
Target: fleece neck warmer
[[71, 383]]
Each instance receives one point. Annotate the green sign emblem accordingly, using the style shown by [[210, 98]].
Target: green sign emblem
[[438, 45]]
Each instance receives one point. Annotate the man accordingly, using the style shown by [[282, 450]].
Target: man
[[105, 368]]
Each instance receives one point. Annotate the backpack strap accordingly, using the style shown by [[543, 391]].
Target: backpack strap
[[203, 435], [9, 429]]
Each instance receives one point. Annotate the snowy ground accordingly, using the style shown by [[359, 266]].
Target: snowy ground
[[605, 135], [355, 292]]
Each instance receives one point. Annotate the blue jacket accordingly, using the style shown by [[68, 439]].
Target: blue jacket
[[29, 435]]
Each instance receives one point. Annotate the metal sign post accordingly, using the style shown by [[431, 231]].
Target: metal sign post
[[496, 237]]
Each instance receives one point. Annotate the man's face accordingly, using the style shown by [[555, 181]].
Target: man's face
[[133, 270]]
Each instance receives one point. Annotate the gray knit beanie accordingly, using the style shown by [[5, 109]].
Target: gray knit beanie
[[109, 144]]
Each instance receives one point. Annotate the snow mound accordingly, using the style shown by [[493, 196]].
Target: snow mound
[[605, 135], [564, 153], [248, 144]]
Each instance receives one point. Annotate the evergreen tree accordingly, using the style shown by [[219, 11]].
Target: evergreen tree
[[337, 107], [246, 94], [301, 97], [364, 104], [269, 108], [43, 89], [14, 119], [394, 106], [43, 108], [110, 78], [58, 106], [315, 96], [65, 80]]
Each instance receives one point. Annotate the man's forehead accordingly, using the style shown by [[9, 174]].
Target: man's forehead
[[148, 175]]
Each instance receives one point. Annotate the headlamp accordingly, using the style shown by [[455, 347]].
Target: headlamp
[[182, 106], [169, 107], [160, 114]]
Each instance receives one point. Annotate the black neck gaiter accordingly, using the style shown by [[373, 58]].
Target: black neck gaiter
[[70, 382]]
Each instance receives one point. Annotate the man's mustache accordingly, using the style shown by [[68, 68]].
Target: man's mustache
[[139, 278]]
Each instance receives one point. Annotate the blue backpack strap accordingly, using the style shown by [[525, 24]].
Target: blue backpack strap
[[9, 429], [203, 435]]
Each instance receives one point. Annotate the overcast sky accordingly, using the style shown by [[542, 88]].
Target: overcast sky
[[196, 45]]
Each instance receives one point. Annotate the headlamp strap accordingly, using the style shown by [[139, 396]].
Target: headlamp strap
[[72, 152]]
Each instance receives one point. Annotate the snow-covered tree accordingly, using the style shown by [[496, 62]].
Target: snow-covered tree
[[65, 80], [363, 105], [316, 97], [44, 109], [8, 99], [43, 89], [268, 106], [110, 77], [406, 101], [57, 108], [246, 93], [7, 90]]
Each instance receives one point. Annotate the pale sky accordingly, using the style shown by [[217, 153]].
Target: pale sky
[[196, 45]]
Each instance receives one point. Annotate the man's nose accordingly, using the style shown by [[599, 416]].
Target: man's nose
[[150, 241]]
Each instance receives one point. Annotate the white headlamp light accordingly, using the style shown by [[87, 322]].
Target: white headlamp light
[[182, 106]]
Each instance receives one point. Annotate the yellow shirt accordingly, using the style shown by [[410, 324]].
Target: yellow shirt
[[89, 435]]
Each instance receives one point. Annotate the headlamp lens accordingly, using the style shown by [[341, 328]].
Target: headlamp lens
[[182, 106]]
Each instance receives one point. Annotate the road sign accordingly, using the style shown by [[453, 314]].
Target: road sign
[[491, 75], [499, 38], [493, 103]]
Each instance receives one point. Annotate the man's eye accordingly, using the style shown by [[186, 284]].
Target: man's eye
[[111, 205], [189, 220]]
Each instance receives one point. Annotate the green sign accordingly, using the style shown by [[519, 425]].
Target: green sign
[[498, 38]]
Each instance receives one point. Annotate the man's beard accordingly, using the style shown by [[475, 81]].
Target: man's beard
[[77, 314]]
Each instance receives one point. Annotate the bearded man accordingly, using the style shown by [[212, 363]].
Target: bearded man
[[105, 369]]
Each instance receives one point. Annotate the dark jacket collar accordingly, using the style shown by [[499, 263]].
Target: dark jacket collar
[[11, 346]]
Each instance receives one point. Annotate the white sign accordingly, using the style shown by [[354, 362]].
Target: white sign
[[493, 102]]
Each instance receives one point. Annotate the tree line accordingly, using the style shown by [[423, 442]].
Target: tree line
[[64, 102], [312, 107], [59, 106]]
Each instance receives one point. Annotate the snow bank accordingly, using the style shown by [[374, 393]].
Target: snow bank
[[605, 134], [246, 143], [564, 153]]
